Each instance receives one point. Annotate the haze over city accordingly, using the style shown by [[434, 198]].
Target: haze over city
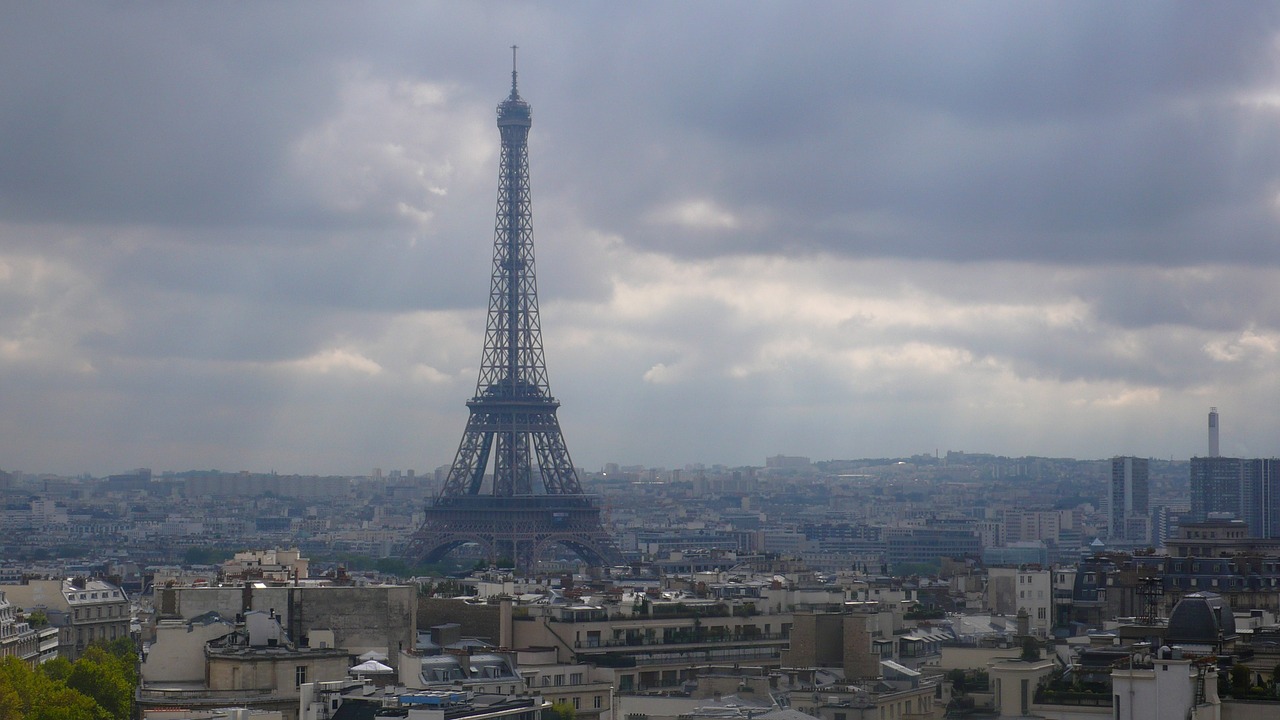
[[261, 238]]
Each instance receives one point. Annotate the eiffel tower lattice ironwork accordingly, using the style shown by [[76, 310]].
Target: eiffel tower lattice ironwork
[[534, 499]]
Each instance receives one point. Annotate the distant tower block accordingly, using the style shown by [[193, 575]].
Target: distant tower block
[[533, 499], [1213, 432]]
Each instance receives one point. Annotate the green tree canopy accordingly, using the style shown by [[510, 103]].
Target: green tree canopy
[[561, 711], [98, 674], [27, 694], [1030, 649], [98, 686]]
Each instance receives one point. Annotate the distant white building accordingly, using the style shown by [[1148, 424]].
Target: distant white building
[[1030, 589], [278, 566]]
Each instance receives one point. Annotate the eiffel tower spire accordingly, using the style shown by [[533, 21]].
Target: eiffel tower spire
[[534, 498]]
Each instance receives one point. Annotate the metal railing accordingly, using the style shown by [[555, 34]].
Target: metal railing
[[681, 639]]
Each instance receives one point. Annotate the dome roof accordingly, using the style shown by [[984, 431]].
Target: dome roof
[[1201, 618]]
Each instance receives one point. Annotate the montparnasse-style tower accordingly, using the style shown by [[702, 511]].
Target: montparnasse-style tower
[[534, 499]]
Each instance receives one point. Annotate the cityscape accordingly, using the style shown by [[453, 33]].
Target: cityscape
[[842, 574]]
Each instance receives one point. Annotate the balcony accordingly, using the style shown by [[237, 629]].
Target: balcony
[[686, 639], [1045, 696], [204, 697]]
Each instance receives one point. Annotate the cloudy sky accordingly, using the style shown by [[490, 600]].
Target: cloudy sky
[[257, 236]]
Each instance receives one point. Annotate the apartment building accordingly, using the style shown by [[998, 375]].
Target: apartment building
[[651, 640], [83, 610]]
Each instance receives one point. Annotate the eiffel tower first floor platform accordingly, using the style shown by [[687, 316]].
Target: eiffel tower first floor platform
[[519, 527]]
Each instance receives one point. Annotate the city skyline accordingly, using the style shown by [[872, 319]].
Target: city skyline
[[259, 238]]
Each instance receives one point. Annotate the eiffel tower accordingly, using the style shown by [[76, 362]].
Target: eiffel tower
[[534, 499]]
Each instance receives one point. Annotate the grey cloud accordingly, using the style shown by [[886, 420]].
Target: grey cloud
[[989, 152]]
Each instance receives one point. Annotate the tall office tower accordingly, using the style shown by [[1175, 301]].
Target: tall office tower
[[533, 500], [1261, 491], [1247, 489], [1217, 486], [1213, 432], [1128, 517]]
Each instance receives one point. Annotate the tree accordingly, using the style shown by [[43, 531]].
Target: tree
[[98, 675], [37, 619], [125, 653], [1030, 649], [561, 711], [204, 556], [10, 700], [58, 669], [1239, 679], [392, 566], [26, 694]]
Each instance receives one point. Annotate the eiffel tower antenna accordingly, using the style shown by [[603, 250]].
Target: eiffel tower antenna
[[532, 499], [513, 71]]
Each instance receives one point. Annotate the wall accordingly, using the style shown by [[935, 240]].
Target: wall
[[379, 618], [177, 655], [477, 621]]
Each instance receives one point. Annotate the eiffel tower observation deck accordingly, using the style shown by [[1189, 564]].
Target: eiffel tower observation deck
[[531, 500]]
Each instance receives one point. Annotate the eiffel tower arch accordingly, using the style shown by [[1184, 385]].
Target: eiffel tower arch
[[531, 499]]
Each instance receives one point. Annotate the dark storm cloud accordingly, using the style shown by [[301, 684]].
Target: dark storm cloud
[[1073, 132], [259, 235], [180, 114], [1070, 133]]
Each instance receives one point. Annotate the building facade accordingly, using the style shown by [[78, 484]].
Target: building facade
[[1126, 502], [1248, 489], [84, 611]]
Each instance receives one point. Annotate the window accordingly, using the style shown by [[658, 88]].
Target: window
[[595, 702], [299, 675], [577, 702], [575, 678], [559, 680]]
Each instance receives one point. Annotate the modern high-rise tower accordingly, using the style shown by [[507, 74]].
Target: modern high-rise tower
[[532, 498], [1127, 498], [1247, 489]]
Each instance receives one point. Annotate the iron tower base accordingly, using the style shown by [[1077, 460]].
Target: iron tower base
[[518, 527]]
